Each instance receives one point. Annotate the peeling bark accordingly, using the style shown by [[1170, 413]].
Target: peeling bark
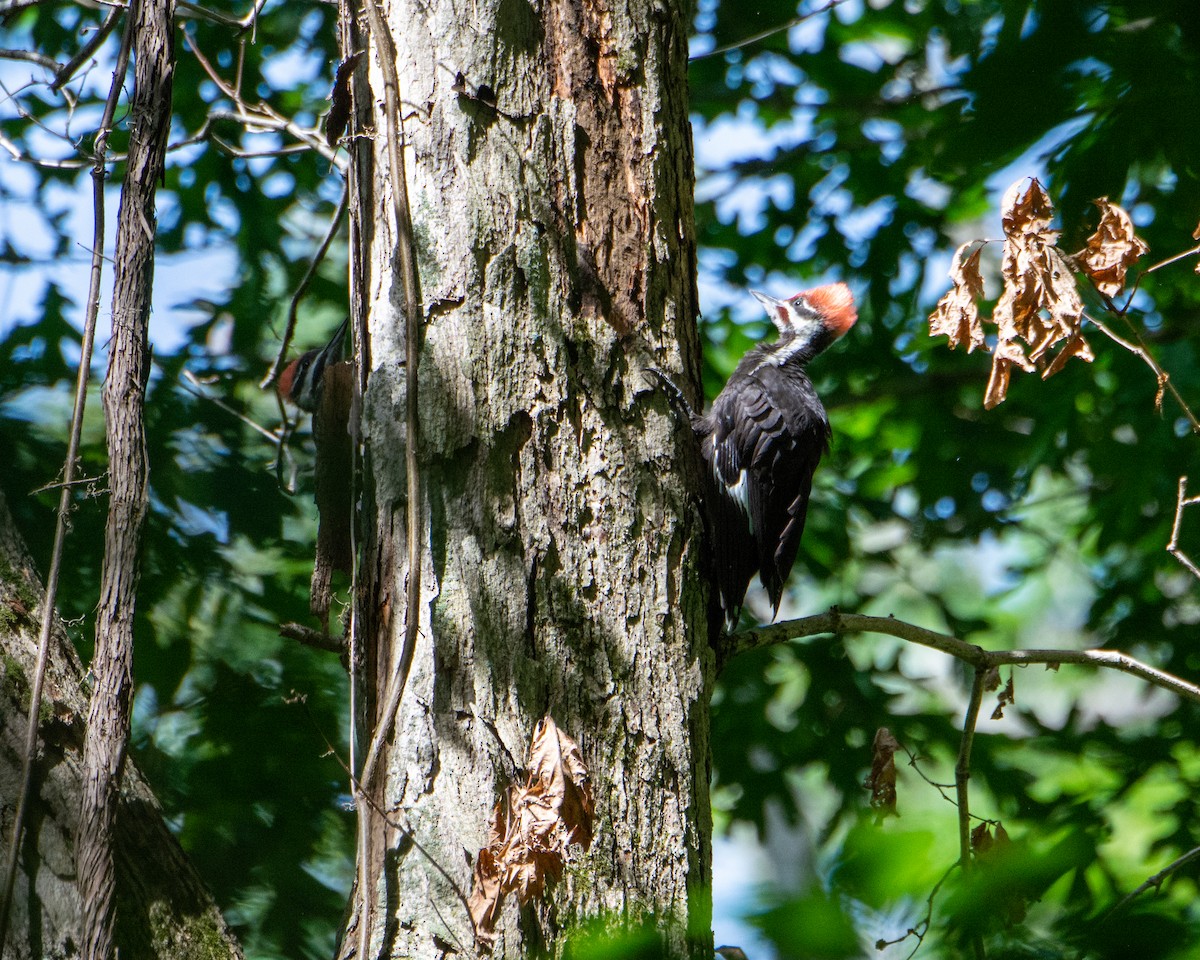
[[561, 543]]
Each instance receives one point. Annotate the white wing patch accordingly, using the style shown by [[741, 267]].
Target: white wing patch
[[739, 493]]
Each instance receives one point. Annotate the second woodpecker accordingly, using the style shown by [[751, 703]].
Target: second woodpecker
[[762, 441], [301, 380]]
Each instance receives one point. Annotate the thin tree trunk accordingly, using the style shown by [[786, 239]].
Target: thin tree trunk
[[560, 540], [165, 912], [124, 395]]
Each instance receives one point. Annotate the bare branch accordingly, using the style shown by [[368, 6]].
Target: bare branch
[[196, 389], [1181, 502], [260, 115], [962, 768], [106, 742], [1164, 379], [1170, 260], [1154, 882], [68, 70], [317, 639], [311, 272], [836, 622], [770, 32], [29, 56]]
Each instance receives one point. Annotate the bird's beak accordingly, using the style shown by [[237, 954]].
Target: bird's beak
[[766, 300], [777, 310]]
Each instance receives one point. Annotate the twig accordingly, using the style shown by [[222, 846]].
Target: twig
[[317, 639], [67, 70], [302, 288], [1164, 379], [1170, 260], [260, 114], [1182, 501], [835, 621], [770, 32], [49, 601], [196, 389], [30, 56], [1154, 881], [962, 768]]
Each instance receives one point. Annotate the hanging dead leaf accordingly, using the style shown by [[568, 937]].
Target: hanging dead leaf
[[533, 830], [1008, 354], [957, 313], [1075, 347], [1040, 304], [1007, 696], [1112, 249], [1026, 213], [991, 850], [981, 840], [486, 898], [881, 781]]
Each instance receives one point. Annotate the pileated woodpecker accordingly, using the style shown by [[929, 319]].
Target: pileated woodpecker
[[319, 382], [301, 380], [762, 441]]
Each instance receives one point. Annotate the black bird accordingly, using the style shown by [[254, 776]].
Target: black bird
[[761, 443]]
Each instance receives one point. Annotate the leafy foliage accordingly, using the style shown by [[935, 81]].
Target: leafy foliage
[[863, 144], [881, 137], [243, 772]]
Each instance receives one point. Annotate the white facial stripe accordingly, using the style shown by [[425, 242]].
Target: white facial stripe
[[777, 358]]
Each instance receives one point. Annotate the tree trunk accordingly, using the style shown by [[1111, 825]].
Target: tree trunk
[[162, 906], [561, 541], [124, 400]]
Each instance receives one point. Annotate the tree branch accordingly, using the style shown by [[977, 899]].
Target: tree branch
[[1164, 378], [962, 768], [1181, 502], [836, 622], [302, 288], [1154, 881]]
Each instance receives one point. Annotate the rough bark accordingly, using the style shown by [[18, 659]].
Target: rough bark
[[124, 395], [561, 543], [164, 910]]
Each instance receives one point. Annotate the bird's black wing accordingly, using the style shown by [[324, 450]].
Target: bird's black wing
[[767, 437]]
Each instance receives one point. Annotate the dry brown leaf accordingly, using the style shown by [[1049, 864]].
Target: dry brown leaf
[[485, 900], [1112, 249], [1028, 213], [533, 830], [1039, 307], [957, 313], [990, 849], [1040, 303], [881, 781], [1076, 347], [1007, 696], [981, 840]]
